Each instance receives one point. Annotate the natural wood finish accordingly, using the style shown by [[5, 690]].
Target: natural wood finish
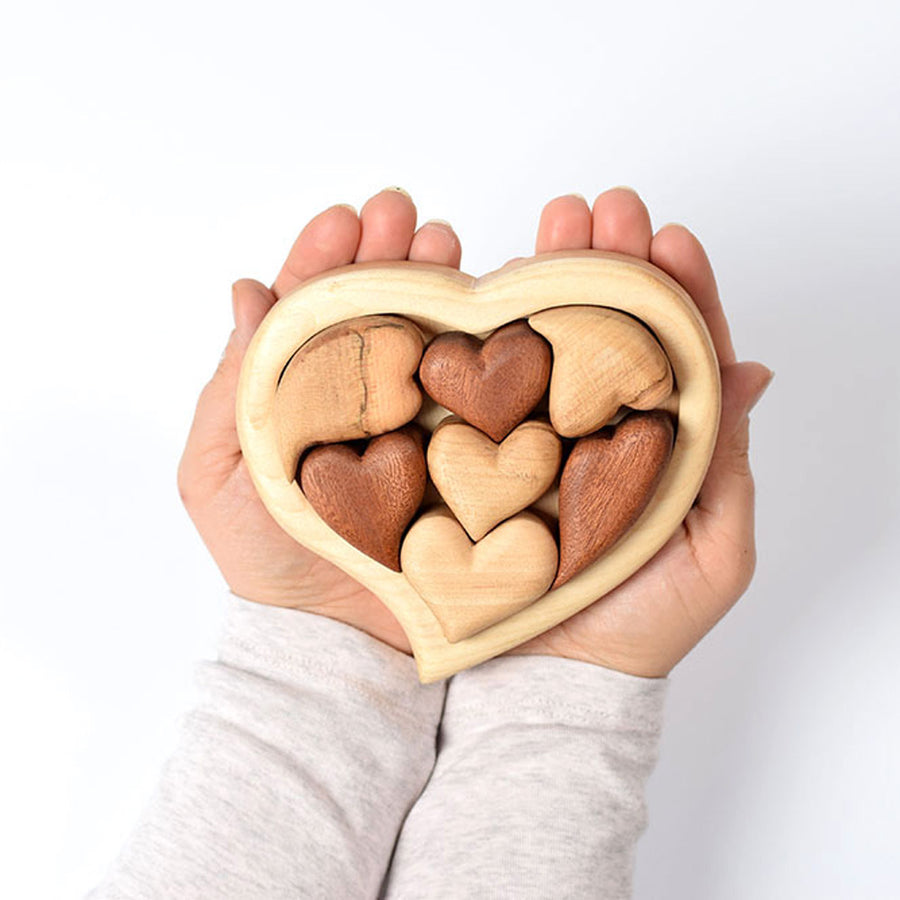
[[548, 504], [484, 482], [352, 380], [602, 359], [439, 299], [368, 499], [469, 586], [607, 482], [493, 384]]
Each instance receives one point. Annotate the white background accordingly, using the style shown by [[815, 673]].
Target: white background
[[152, 154]]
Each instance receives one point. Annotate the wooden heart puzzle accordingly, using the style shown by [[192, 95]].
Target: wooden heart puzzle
[[488, 455]]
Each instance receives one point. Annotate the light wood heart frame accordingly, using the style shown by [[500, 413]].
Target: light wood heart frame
[[438, 299]]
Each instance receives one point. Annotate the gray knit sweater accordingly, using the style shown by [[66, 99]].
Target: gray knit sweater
[[317, 766]]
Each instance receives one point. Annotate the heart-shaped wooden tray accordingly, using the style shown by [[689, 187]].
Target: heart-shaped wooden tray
[[438, 300]]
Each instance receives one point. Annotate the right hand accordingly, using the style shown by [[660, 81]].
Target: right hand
[[261, 562]]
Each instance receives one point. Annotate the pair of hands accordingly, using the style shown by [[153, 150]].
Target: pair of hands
[[643, 627]]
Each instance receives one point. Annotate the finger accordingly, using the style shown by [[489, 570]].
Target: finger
[[436, 242], [676, 251], [388, 221], [213, 450], [250, 302], [725, 505], [328, 241], [565, 225], [621, 223]]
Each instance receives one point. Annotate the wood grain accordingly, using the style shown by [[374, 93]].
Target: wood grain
[[353, 380], [494, 384], [368, 499], [606, 483], [470, 586], [602, 359], [484, 482]]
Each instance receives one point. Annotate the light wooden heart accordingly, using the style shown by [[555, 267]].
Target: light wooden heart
[[377, 357], [484, 483], [437, 300], [468, 585], [602, 359]]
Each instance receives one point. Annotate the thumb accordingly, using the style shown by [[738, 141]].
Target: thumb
[[250, 302], [213, 450], [727, 493]]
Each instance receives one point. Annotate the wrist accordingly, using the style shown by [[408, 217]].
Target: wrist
[[640, 663], [377, 623], [327, 593]]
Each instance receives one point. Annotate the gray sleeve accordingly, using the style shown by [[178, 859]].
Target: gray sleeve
[[538, 788], [293, 775]]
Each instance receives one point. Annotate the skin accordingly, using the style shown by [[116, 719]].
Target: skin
[[643, 627]]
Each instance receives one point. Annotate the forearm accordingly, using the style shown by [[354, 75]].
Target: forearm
[[293, 775], [538, 788]]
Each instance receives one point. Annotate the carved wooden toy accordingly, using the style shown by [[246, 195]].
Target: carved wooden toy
[[484, 482], [541, 519]]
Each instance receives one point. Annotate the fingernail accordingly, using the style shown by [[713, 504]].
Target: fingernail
[[576, 196], [625, 187], [346, 206], [399, 190], [762, 391], [442, 222]]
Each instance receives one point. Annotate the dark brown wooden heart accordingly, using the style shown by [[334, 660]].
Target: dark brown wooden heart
[[494, 384], [368, 499], [606, 484]]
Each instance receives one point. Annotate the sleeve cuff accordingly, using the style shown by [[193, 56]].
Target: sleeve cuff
[[302, 648], [548, 689]]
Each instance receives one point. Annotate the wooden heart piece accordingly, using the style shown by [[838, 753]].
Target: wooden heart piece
[[336, 361], [484, 482], [377, 357], [468, 586], [492, 385], [602, 359], [606, 484], [368, 499]]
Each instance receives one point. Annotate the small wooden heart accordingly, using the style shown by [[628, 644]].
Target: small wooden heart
[[492, 384], [366, 351], [484, 482], [341, 359], [390, 474], [467, 585], [603, 360], [608, 480]]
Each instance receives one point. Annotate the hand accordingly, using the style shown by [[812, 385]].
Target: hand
[[261, 562], [654, 618]]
